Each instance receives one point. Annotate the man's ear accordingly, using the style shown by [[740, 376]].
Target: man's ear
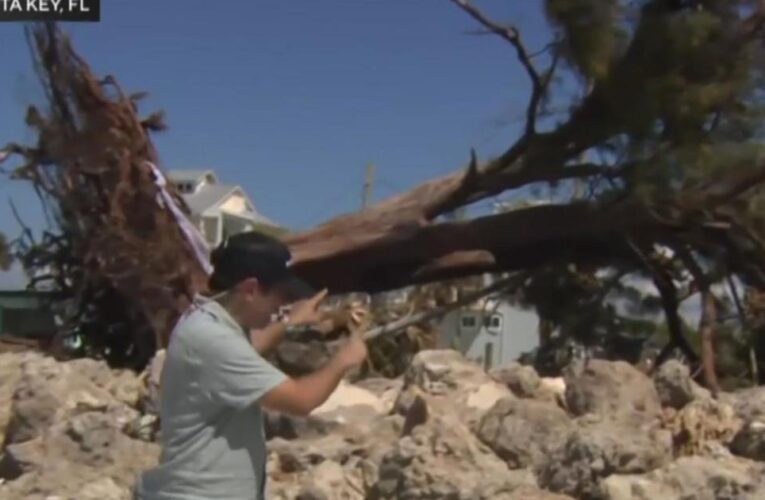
[[249, 286]]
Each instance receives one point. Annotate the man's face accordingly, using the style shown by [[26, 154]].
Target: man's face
[[259, 304]]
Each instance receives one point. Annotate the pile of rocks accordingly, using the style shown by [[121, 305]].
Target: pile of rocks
[[64, 429], [453, 431], [446, 429]]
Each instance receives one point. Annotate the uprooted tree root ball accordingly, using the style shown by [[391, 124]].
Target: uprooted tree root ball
[[116, 255]]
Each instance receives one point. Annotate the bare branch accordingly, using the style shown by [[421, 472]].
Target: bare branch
[[26, 231], [402, 323], [512, 35], [486, 186], [544, 49]]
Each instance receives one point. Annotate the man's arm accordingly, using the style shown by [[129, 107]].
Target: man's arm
[[300, 396]]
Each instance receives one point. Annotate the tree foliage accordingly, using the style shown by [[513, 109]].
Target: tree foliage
[[665, 134], [590, 34], [672, 91]]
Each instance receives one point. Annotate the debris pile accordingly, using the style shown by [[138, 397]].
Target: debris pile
[[63, 428], [445, 429]]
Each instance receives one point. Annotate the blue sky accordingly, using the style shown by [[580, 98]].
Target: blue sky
[[292, 98]]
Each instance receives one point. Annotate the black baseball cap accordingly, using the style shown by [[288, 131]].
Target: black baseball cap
[[254, 254]]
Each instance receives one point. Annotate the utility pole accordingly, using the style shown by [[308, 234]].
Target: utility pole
[[368, 180]]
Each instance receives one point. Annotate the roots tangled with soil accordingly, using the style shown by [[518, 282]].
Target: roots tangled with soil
[[114, 250]]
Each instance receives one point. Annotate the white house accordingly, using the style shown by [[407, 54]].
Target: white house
[[218, 210], [493, 333]]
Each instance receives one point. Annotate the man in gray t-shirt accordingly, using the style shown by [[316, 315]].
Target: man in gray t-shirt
[[215, 380]]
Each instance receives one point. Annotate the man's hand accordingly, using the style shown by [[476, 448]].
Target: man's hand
[[303, 314], [354, 352], [306, 312]]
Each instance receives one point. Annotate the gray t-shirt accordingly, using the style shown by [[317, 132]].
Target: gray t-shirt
[[213, 444]]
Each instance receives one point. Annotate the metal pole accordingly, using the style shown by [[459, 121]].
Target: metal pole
[[368, 180]]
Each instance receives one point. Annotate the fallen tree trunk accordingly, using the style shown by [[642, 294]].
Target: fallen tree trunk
[[382, 257], [398, 241], [384, 248]]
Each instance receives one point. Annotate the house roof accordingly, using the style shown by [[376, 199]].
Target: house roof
[[213, 194], [253, 217], [188, 175], [208, 196]]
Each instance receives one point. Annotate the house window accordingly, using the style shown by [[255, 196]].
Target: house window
[[468, 321], [494, 321]]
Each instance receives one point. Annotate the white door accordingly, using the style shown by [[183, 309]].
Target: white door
[[485, 345], [492, 340]]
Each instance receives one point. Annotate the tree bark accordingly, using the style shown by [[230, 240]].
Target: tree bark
[[707, 327], [707, 321], [670, 304], [377, 256]]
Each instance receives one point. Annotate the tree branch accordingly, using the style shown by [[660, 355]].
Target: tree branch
[[707, 320], [485, 182], [744, 322], [669, 300], [512, 35], [413, 319]]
